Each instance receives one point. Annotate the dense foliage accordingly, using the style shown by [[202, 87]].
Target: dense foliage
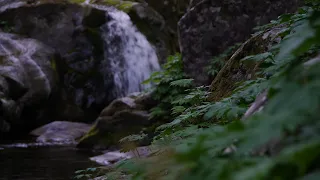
[[210, 140], [171, 84]]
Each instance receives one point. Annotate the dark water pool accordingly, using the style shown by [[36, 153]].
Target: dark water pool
[[42, 163]]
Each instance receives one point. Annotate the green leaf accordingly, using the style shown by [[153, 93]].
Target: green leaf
[[258, 57], [182, 83]]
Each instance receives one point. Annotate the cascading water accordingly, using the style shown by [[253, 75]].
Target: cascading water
[[131, 58]]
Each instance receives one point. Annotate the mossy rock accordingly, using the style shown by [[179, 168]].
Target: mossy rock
[[108, 130], [235, 71]]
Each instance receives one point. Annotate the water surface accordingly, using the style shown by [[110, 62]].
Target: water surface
[[42, 163]]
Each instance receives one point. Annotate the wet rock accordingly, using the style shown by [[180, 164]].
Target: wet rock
[[112, 157], [258, 105], [60, 132], [108, 130], [136, 101], [121, 118], [121, 104], [26, 78], [211, 26]]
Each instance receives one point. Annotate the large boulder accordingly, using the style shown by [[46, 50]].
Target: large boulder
[[123, 117], [70, 31], [60, 132], [236, 70], [211, 26], [27, 79]]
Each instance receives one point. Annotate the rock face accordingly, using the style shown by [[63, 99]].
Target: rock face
[[211, 26], [60, 132], [26, 79], [171, 11], [121, 118]]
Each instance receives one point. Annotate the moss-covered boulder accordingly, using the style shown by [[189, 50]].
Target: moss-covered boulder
[[236, 70], [123, 117]]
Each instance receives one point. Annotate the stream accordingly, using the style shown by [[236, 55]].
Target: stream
[[19, 162]]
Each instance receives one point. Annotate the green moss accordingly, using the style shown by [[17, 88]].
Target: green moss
[[53, 64], [92, 132], [234, 71], [77, 1], [125, 6]]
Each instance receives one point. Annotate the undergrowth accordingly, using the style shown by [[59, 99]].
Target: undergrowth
[[171, 85], [211, 140]]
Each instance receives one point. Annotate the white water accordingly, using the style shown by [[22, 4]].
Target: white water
[[131, 57]]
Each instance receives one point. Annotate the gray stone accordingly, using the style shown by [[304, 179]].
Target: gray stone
[[60, 132], [109, 158], [26, 76]]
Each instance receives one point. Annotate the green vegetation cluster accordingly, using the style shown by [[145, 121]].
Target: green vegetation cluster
[[209, 140]]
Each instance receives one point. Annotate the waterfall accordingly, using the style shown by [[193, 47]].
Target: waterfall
[[97, 63], [131, 58]]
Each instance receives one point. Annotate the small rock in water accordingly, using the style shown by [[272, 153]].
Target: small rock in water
[[110, 158], [115, 156]]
